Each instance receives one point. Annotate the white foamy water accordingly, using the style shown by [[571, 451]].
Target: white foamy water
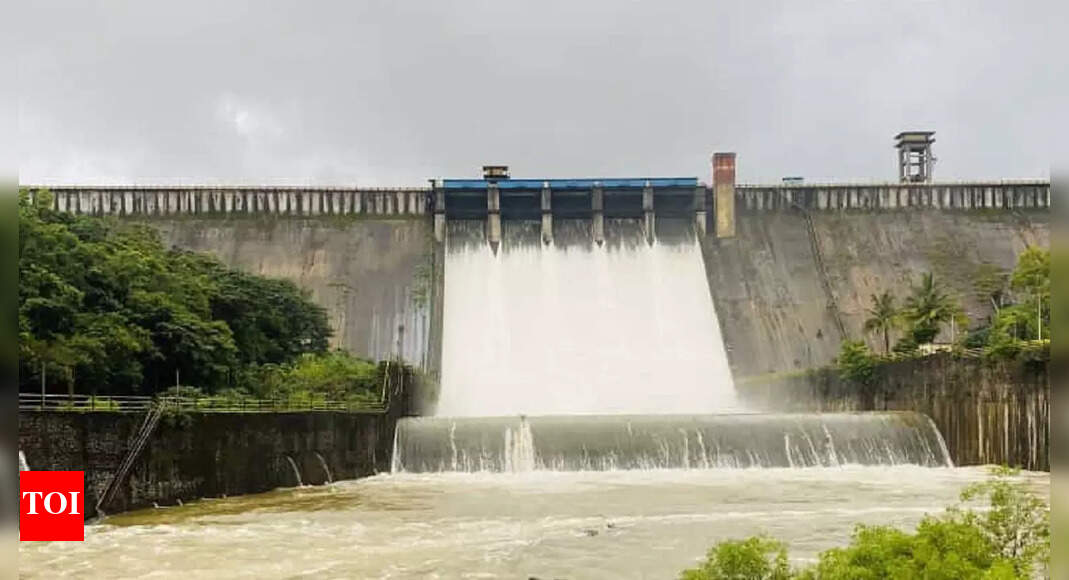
[[615, 442], [552, 330], [577, 525]]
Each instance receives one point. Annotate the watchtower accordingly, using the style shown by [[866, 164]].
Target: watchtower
[[915, 156]]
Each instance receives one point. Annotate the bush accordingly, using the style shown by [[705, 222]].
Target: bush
[[92, 404], [182, 391], [856, 362], [977, 338], [1017, 523], [335, 376], [940, 549], [751, 559], [907, 345], [1008, 540], [103, 404]]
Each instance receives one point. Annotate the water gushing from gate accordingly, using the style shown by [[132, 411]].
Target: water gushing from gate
[[578, 356], [620, 442], [574, 327]]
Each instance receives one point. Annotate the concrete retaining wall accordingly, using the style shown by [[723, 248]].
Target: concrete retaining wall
[[988, 412], [205, 455]]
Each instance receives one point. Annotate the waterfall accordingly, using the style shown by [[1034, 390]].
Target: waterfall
[[575, 356], [23, 466], [296, 472], [519, 447], [618, 442], [574, 327], [326, 470]]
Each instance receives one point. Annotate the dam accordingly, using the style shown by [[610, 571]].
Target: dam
[[579, 335], [549, 296], [790, 266], [583, 340]]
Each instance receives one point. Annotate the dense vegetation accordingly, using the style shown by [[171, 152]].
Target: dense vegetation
[[1009, 540], [104, 308], [1020, 302]]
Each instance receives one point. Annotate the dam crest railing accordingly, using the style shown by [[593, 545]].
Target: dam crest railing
[[304, 201], [963, 195], [208, 404]]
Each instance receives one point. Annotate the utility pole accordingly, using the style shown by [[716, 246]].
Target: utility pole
[[1039, 316]]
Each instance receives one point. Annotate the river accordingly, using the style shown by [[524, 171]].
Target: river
[[589, 525]]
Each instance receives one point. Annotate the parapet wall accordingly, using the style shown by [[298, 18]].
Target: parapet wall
[[296, 201], [831, 197], [312, 201]]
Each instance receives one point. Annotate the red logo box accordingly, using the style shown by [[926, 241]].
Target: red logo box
[[52, 506]]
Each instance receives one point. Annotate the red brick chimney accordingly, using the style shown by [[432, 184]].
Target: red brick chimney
[[724, 194]]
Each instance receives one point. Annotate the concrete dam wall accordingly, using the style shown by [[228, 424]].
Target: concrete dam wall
[[786, 281], [374, 276], [988, 412], [791, 268]]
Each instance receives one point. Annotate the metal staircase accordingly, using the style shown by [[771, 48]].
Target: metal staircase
[[822, 270], [148, 426]]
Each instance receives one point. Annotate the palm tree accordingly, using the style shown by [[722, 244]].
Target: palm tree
[[883, 316], [927, 308]]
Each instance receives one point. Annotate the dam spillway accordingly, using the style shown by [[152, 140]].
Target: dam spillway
[[578, 327], [627, 442], [573, 355]]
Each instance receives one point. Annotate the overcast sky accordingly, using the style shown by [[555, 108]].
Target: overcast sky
[[381, 93]]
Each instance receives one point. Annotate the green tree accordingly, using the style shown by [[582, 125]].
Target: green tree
[[1032, 278], [990, 284], [1017, 521], [883, 317], [1029, 314], [856, 362], [272, 320], [1032, 273], [928, 307], [104, 307]]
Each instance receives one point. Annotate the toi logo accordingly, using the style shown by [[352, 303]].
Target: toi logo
[[52, 506]]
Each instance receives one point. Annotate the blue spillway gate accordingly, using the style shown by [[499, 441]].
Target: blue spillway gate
[[586, 183]]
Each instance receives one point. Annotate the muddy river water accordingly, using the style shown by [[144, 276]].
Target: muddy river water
[[625, 524]]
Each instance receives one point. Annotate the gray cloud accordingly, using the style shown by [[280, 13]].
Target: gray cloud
[[392, 93]]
